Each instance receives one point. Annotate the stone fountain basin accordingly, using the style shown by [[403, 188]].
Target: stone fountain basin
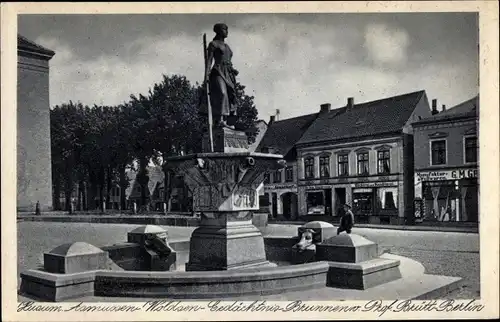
[[213, 284], [123, 277], [286, 278]]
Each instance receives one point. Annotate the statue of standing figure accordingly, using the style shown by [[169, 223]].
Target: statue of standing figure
[[221, 77]]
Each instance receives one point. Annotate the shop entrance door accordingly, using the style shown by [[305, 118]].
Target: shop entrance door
[[340, 200]]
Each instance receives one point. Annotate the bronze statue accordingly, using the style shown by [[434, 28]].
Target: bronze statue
[[220, 77]]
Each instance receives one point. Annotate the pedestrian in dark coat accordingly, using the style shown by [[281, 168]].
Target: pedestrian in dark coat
[[346, 221]]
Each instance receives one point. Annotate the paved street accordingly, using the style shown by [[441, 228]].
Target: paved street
[[442, 253]]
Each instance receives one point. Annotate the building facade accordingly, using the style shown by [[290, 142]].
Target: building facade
[[279, 197], [280, 192], [34, 174], [447, 165], [361, 155]]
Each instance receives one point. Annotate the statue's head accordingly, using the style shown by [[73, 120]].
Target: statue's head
[[221, 29]]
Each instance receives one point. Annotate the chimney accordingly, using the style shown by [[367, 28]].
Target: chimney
[[443, 108], [325, 107], [272, 119], [350, 102], [434, 107]]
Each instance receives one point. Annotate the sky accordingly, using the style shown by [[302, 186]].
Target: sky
[[290, 62]]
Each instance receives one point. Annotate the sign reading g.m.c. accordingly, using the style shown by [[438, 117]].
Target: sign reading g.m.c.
[[448, 174]]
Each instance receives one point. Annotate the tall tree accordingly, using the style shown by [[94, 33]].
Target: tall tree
[[177, 122], [123, 147], [67, 134], [247, 113], [143, 140]]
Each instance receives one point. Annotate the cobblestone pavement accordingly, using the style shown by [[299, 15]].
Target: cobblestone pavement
[[441, 253]]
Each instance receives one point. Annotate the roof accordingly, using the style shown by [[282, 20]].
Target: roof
[[26, 45], [282, 135], [155, 175], [468, 108], [386, 115]]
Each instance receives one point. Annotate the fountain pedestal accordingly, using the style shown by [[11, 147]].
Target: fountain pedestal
[[225, 187], [226, 241]]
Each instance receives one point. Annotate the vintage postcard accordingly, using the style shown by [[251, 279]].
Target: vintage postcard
[[250, 161]]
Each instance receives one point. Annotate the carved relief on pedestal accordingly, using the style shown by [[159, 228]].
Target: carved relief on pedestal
[[224, 183]]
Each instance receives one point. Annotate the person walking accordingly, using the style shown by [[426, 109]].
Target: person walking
[[346, 221]]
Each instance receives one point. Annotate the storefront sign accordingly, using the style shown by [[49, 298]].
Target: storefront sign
[[318, 187], [448, 175], [362, 190], [375, 184], [279, 186]]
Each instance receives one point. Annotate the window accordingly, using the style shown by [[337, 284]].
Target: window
[[324, 167], [384, 162], [470, 149], [277, 176], [387, 198], [309, 167], [363, 163], [438, 152], [289, 174], [343, 161], [266, 177]]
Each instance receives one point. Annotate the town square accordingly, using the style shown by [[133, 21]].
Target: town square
[[249, 157]]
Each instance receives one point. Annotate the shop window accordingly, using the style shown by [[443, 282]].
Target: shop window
[[387, 198], [384, 162], [438, 152], [362, 202], [277, 176], [441, 200], [343, 164], [470, 149], [324, 167], [289, 174], [316, 203], [309, 167], [267, 177], [363, 163]]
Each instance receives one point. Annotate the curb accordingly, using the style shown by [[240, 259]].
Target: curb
[[468, 230], [194, 222]]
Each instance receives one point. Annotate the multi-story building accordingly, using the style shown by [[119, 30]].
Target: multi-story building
[[34, 176], [361, 154], [446, 163], [279, 195]]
